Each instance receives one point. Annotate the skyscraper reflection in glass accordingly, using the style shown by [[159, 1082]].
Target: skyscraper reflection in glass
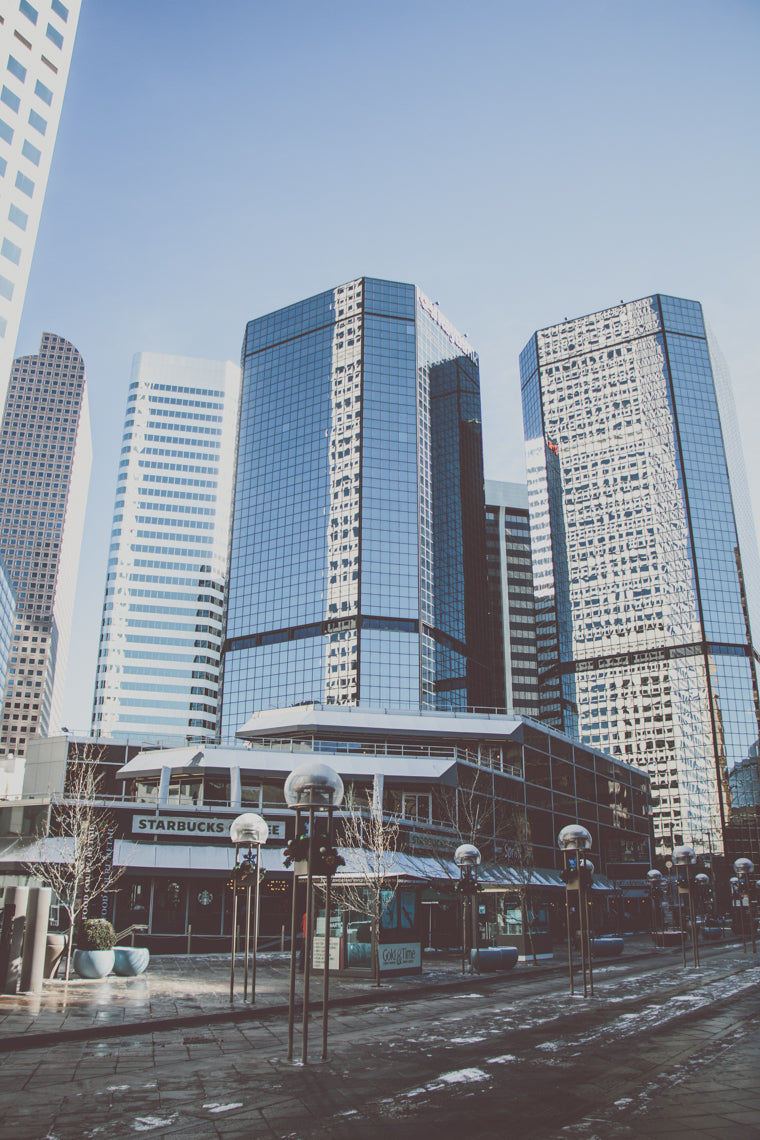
[[358, 549], [645, 560]]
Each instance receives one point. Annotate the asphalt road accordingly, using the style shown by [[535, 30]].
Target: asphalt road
[[658, 1051]]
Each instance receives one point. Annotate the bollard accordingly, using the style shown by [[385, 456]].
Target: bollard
[[35, 939], [14, 920]]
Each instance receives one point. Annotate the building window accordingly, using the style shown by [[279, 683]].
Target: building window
[[31, 152], [417, 806], [60, 10], [26, 9], [11, 251], [16, 68], [18, 217], [54, 36], [10, 99], [45, 94], [25, 185], [37, 122]]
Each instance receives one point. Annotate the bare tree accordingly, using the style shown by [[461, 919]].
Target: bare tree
[[373, 841], [518, 853], [83, 828]]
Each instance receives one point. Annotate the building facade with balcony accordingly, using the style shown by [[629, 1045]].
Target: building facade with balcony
[[506, 783]]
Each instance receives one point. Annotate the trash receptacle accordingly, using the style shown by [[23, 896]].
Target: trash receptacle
[[55, 948]]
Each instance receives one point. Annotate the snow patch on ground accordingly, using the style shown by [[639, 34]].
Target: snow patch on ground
[[223, 1107], [116, 1088], [468, 1040], [503, 1060], [148, 1123]]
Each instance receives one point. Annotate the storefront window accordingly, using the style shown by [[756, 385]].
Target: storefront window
[[185, 791]]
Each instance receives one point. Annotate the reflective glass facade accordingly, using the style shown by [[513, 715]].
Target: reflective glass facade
[[638, 560], [358, 550], [161, 635]]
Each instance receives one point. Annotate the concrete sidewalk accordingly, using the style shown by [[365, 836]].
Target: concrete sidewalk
[[193, 990]]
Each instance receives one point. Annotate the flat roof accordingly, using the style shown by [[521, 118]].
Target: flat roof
[[281, 762]]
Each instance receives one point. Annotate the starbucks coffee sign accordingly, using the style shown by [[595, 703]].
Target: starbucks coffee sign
[[185, 826]]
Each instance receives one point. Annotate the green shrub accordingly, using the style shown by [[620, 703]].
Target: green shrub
[[97, 934]]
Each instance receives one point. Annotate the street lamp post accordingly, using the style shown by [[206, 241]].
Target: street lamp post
[[467, 858], [310, 789], [248, 830], [572, 840], [654, 881], [684, 859], [744, 868], [702, 882]]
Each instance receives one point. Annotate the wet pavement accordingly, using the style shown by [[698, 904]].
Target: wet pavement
[[659, 1050]]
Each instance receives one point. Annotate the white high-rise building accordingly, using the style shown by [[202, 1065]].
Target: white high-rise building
[[162, 629], [45, 459], [36, 41]]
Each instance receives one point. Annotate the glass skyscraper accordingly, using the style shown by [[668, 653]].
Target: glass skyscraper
[[511, 599], [45, 461], [36, 41], [645, 560], [358, 549], [161, 636]]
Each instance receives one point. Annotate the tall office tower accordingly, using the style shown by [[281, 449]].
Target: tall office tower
[[45, 461], [510, 598], [358, 548], [7, 620], [37, 41], [161, 636], [644, 554]]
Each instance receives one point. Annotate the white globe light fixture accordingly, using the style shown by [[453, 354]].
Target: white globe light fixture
[[249, 829], [574, 837], [313, 785]]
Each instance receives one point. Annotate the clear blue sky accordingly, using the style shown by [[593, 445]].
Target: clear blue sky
[[521, 162]]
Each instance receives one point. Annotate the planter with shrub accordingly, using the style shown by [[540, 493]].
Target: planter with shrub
[[94, 957]]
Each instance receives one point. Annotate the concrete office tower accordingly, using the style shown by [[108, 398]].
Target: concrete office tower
[[161, 637], [36, 41], [644, 556], [358, 550], [45, 461], [510, 598], [7, 620]]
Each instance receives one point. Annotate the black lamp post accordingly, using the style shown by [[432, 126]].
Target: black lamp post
[[576, 875], [654, 882], [744, 868], [467, 858], [684, 859], [249, 830], [311, 789]]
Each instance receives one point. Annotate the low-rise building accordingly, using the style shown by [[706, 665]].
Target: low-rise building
[[505, 783]]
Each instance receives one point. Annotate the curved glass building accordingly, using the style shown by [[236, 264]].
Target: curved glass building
[[644, 554], [358, 549]]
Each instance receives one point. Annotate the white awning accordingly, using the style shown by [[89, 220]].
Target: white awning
[[277, 762], [186, 856]]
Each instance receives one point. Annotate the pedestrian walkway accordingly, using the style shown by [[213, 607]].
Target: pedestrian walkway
[[195, 989]]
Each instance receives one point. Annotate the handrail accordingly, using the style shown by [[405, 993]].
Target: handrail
[[135, 928]]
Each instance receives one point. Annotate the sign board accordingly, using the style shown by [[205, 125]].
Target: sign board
[[398, 955], [186, 826], [318, 953]]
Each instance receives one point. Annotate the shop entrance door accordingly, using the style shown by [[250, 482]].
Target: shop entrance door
[[205, 909]]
